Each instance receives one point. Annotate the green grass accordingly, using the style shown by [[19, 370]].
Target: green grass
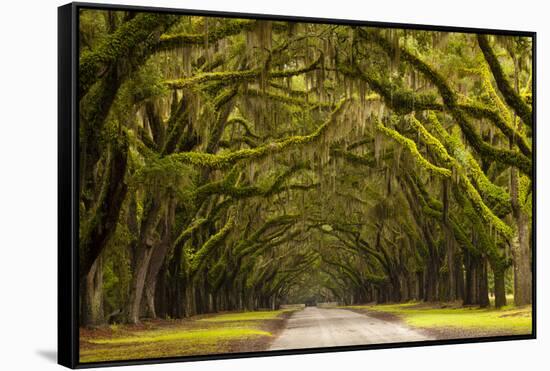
[[246, 316], [215, 334], [509, 319], [200, 335]]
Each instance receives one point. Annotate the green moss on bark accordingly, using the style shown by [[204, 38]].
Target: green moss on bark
[[413, 150], [235, 76], [220, 161], [509, 157], [229, 28], [143, 29], [513, 99]]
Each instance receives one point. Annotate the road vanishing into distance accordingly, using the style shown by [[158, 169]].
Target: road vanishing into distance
[[316, 327]]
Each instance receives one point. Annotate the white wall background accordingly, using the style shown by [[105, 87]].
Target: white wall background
[[28, 181]]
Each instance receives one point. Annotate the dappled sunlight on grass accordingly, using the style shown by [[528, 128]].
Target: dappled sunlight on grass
[[167, 338], [207, 334], [245, 316], [509, 319]]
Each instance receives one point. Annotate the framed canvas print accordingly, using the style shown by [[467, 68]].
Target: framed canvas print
[[235, 185]]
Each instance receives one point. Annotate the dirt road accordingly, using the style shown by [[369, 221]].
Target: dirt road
[[315, 327]]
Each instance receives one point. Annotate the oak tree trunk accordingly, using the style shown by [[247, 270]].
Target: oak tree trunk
[[92, 296]]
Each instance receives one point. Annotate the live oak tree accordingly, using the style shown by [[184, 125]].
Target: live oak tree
[[230, 164]]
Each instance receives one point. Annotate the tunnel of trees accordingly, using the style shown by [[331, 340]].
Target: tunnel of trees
[[231, 164]]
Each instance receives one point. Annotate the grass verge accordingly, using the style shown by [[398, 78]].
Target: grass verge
[[445, 321], [211, 334]]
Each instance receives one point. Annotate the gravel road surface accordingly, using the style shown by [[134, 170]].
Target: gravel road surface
[[325, 327]]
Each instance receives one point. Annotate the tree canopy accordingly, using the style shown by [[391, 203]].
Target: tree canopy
[[235, 163]]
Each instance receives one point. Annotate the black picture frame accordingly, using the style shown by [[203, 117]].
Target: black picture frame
[[68, 170]]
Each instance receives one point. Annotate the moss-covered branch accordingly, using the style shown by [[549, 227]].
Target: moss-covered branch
[[404, 101], [251, 244], [411, 147], [438, 149], [235, 76], [186, 233], [144, 29], [450, 100], [358, 279], [400, 99], [208, 247], [99, 226], [479, 112], [226, 187], [247, 125], [292, 101], [229, 28], [369, 161], [496, 197], [220, 161], [512, 98], [434, 209], [441, 153]]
